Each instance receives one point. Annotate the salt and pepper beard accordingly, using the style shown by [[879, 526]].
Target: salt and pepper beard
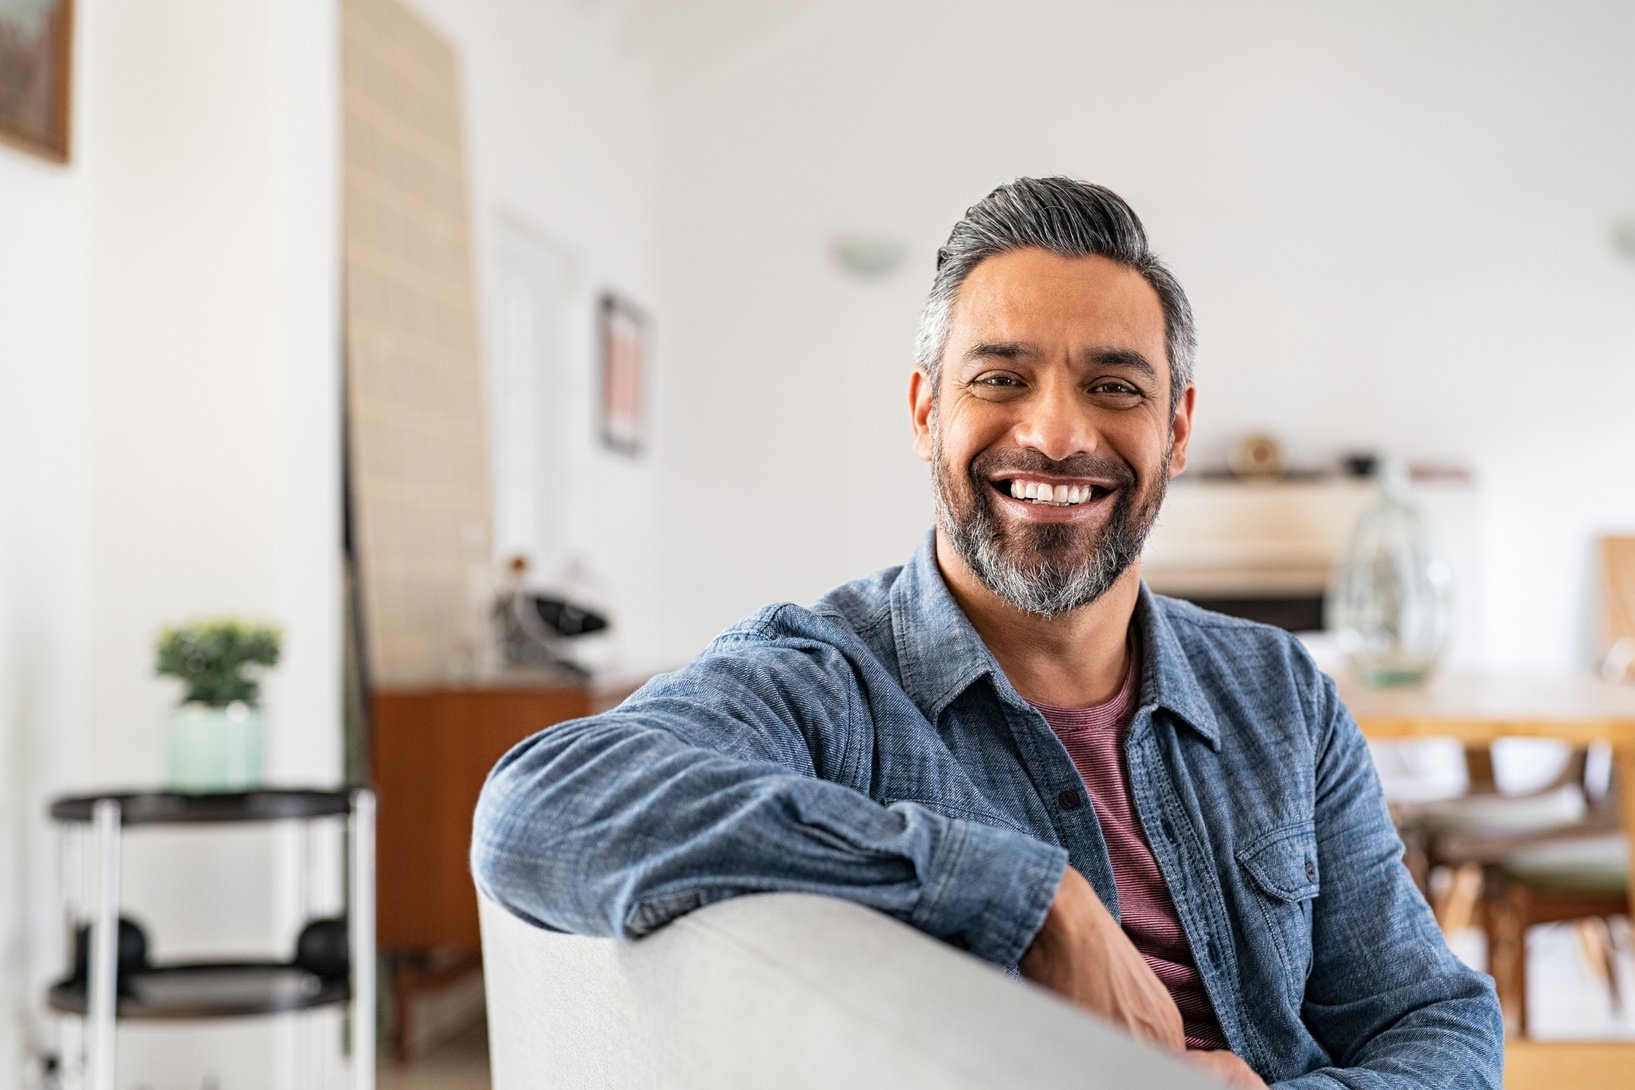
[[1045, 586]]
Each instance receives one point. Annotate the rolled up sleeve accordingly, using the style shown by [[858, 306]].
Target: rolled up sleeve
[[718, 781]]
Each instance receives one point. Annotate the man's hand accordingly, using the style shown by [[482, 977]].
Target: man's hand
[[1081, 953], [1229, 1068]]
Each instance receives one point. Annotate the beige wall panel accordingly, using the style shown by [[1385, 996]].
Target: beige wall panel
[[415, 384]]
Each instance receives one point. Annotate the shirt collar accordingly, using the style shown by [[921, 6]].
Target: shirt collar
[[1168, 679], [941, 655]]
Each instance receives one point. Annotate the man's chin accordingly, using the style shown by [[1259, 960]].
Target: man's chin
[[1050, 582], [1061, 547], [1043, 597]]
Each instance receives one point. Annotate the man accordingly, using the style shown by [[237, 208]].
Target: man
[[1161, 813]]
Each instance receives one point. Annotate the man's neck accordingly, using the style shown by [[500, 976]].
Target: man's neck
[[1072, 660]]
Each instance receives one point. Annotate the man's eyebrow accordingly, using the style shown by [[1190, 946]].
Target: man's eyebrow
[[1122, 357], [996, 350]]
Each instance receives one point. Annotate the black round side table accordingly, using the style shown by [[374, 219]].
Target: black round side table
[[101, 994]]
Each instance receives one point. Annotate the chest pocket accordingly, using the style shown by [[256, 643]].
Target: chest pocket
[[1281, 867]]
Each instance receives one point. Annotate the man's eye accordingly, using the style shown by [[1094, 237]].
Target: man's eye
[[999, 381], [1116, 388]]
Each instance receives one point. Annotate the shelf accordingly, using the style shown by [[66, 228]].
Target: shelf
[[175, 808], [210, 990]]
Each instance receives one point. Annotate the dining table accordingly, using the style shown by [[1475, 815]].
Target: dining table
[[1477, 708]]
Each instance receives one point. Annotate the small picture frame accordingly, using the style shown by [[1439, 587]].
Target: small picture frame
[[623, 337], [36, 62]]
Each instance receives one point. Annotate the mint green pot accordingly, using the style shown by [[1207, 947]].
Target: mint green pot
[[214, 750]]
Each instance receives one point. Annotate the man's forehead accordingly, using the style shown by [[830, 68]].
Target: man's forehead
[[1030, 293]]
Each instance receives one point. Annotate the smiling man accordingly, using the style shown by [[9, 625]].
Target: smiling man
[[1161, 813]]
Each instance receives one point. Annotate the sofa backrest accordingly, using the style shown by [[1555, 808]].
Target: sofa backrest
[[789, 991]]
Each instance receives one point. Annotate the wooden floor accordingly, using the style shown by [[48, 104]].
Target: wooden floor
[[1564, 1065], [460, 1064], [1570, 1008]]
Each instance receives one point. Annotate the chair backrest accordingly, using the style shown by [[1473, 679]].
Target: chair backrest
[[790, 991], [1615, 596], [1592, 769], [1616, 599]]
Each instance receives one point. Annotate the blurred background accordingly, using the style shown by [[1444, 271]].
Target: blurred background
[[628, 289]]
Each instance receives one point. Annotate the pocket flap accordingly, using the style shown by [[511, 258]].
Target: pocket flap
[[1283, 862]]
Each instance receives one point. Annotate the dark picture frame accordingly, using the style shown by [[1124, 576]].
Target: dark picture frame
[[36, 75], [622, 335]]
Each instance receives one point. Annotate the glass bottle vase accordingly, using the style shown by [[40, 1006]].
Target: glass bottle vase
[[1390, 601]]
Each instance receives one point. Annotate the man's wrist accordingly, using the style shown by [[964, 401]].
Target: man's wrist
[[1074, 907]]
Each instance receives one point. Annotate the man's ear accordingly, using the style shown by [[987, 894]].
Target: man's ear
[[1181, 432], [919, 408]]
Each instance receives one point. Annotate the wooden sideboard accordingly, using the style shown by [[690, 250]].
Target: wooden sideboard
[[431, 749]]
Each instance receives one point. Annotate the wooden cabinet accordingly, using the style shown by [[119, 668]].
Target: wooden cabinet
[[431, 749]]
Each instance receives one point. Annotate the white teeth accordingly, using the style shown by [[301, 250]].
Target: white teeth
[[1060, 495]]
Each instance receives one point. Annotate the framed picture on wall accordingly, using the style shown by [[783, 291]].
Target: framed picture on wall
[[624, 350], [36, 56]]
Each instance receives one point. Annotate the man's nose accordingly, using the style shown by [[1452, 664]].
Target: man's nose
[[1057, 424]]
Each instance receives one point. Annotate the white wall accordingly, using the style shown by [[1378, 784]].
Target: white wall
[[171, 356], [1393, 219], [560, 124], [42, 548], [213, 354], [171, 353]]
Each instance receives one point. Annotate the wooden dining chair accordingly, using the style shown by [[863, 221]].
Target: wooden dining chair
[[1440, 835], [1579, 874]]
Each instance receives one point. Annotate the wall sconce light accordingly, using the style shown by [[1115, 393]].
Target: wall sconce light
[[1623, 237], [868, 257]]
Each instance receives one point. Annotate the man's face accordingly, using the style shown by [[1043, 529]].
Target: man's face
[[1051, 437]]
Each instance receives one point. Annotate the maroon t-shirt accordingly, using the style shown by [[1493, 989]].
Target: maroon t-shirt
[[1094, 738]]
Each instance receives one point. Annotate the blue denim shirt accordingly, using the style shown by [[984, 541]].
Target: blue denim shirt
[[870, 748]]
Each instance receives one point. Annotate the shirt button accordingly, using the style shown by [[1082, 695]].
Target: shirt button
[[1311, 871], [1069, 799]]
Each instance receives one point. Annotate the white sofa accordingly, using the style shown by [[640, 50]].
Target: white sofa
[[786, 991]]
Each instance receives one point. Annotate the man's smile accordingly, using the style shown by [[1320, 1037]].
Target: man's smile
[[1038, 500], [1052, 490]]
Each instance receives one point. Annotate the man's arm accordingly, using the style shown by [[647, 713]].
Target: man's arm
[[705, 785], [1385, 997], [1082, 954]]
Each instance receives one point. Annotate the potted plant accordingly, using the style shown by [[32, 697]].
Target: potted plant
[[214, 738]]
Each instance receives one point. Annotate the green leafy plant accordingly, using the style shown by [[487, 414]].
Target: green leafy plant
[[211, 655]]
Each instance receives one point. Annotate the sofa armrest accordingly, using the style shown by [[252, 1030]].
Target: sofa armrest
[[786, 990]]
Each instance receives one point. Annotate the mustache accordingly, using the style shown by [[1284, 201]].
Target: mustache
[[988, 463]]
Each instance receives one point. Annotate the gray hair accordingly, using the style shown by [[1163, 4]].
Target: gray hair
[[1066, 217]]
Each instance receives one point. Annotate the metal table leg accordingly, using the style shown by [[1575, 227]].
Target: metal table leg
[[307, 1044], [362, 920], [104, 944], [71, 1039]]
